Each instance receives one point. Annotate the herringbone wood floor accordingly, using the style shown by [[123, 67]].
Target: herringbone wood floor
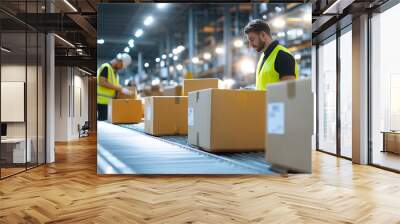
[[70, 191]]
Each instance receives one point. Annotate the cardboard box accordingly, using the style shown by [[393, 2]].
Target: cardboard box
[[153, 90], [166, 115], [190, 85], [392, 142], [124, 111], [123, 96], [222, 120], [172, 91], [290, 110]]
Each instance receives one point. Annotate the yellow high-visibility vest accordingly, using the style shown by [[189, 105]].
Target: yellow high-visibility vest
[[105, 94], [267, 74]]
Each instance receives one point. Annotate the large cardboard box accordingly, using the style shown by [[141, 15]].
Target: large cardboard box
[[172, 91], [123, 96], [166, 115], [190, 85], [222, 120], [124, 111], [290, 125]]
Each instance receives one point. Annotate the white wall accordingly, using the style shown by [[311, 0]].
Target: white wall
[[71, 102], [34, 125]]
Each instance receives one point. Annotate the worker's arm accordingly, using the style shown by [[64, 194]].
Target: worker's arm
[[104, 83], [285, 65]]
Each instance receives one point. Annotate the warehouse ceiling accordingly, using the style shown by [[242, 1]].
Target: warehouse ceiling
[[76, 26], [331, 15]]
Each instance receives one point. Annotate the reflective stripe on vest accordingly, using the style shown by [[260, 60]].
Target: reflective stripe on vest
[[105, 94], [268, 74]]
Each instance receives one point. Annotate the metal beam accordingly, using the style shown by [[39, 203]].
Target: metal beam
[[75, 61], [84, 24]]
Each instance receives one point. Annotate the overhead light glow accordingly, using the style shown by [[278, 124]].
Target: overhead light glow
[[148, 21], [70, 5], [170, 55], [100, 41], [131, 43], [264, 17], [247, 66], [178, 50], [281, 34], [195, 60], [207, 56], [219, 50], [138, 33], [297, 56], [158, 60], [126, 49], [279, 22], [179, 67], [164, 56], [175, 58], [146, 65], [161, 5], [238, 43], [162, 64], [228, 83], [181, 48]]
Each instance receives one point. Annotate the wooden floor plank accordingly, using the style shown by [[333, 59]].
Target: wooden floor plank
[[70, 191]]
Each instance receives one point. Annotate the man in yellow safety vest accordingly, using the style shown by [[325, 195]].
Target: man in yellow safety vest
[[276, 62], [108, 83]]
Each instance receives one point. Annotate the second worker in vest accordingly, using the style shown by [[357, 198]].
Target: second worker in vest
[[276, 62], [108, 83]]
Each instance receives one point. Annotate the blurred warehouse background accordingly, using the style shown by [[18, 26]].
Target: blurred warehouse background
[[169, 42]]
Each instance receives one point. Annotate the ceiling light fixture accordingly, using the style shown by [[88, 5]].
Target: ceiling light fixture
[[70, 5], [5, 50], [139, 33], [64, 40], [148, 21]]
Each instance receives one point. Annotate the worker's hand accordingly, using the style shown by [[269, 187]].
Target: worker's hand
[[126, 91]]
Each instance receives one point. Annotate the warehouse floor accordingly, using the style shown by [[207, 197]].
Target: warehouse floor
[[127, 149], [70, 191]]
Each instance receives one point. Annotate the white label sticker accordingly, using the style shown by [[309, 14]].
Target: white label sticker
[[148, 113], [276, 118], [190, 116]]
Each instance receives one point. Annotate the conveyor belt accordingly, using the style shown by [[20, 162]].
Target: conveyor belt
[[129, 150]]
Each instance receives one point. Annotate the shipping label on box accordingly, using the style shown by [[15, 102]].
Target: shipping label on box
[[276, 118], [190, 116]]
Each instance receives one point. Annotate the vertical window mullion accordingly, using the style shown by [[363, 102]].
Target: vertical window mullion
[[338, 91]]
